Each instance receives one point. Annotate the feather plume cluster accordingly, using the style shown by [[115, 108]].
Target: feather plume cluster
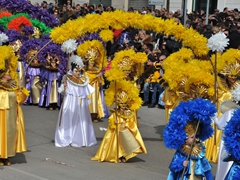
[[133, 100], [218, 42], [69, 46], [232, 136], [199, 109], [236, 94], [125, 60], [76, 60], [118, 19], [3, 38], [8, 54], [34, 12], [96, 45]]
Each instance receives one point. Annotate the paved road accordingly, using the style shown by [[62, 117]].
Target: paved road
[[44, 161]]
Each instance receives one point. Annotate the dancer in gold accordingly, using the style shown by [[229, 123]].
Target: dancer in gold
[[12, 131], [122, 139]]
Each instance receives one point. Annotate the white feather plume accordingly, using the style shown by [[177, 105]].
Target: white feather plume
[[236, 94], [3, 38], [69, 46], [218, 42], [75, 59]]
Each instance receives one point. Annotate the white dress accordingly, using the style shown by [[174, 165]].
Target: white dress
[[223, 167], [74, 126]]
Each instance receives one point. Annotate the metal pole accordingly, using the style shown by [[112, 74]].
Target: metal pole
[[207, 12], [184, 12]]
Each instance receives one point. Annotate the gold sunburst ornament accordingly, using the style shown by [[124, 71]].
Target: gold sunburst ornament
[[93, 51]]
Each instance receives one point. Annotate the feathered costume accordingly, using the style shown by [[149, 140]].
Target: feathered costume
[[185, 115], [232, 145], [12, 131]]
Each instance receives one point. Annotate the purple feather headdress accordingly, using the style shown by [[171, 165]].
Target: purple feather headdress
[[14, 35], [54, 49], [89, 37], [35, 12], [28, 30], [30, 45]]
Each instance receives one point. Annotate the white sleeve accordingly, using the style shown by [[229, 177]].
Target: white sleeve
[[222, 121]]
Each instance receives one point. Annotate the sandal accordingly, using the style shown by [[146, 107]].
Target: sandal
[[1, 162], [122, 159], [6, 162]]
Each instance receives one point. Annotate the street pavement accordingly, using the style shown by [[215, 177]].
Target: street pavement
[[44, 161]]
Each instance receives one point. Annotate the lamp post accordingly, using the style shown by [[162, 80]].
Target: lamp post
[[184, 12], [207, 12]]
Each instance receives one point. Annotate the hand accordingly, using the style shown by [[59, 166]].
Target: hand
[[28, 80], [20, 83], [185, 163], [116, 122], [65, 84]]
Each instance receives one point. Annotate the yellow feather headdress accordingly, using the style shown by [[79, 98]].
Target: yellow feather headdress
[[93, 51], [126, 88], [8, 62]]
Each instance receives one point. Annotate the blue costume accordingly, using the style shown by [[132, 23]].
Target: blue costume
[[202, 166], [188, 126], [232, 145]]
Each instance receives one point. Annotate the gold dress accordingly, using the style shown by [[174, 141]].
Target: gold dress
[[212, 144], [96, 107], [128, 147], [12, 131]]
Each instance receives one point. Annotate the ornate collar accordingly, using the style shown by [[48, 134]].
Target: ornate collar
[[80, 81], [197, 149]]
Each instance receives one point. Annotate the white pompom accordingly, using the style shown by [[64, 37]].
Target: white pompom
[[3, 38], [218, 42], [236, 94], [69, 46]]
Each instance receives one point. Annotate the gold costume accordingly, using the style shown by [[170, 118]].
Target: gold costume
[[96, 106], [12, 132], [128, 149]]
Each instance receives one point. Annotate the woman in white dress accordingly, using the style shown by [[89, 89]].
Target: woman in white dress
[[74, 126]]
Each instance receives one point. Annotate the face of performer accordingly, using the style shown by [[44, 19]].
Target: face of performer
[[127, 73], [6, 77], [190, 140], [91, 63], [76, 72]]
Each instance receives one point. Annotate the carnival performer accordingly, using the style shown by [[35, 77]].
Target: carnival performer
[[188, 126], [15, 40], [54, 62], [28, 53], [227, 108], [130, 65], [93, 53], [12, 131], [122, 124], [74, 125], [232, 145]]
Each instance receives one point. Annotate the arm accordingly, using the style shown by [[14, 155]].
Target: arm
[[222, 121]]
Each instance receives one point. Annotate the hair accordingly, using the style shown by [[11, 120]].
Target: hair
[[149, 46]]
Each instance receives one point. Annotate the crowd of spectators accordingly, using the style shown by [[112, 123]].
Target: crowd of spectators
[[156, 46]]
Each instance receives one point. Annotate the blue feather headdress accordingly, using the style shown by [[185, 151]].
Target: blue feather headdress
[[199, 109], [232, 136]]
